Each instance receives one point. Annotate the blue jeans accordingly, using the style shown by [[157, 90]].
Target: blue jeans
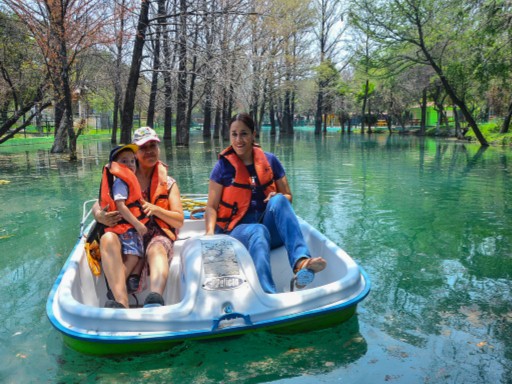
[[279, 226]]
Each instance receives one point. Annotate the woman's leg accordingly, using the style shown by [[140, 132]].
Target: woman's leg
[[256, 239], [113, 266], [284, 228], [158, 267], [131, 263]]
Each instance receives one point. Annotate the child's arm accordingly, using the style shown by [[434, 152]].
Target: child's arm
[[129, 217]]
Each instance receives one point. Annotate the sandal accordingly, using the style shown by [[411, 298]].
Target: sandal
[[305, 272], [113, 304], [132, 283], [154, 299]]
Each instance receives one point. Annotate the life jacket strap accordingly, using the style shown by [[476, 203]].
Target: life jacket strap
[[234, 210], [239, 185]]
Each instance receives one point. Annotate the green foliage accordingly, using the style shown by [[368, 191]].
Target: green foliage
[[328, 75], [491, 131], [371, 89], [19, 63]]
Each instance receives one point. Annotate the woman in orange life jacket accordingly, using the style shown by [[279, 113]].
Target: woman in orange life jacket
[[162, 204], [249, 198]]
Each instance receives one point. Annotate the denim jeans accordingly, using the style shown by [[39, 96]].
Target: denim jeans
[[279, 226]]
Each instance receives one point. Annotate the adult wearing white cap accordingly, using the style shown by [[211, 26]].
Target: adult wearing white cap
[[162, 204]]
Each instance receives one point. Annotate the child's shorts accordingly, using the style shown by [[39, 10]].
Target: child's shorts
[[131, 243]]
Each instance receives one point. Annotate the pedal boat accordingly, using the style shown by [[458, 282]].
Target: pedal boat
[[212, 292]]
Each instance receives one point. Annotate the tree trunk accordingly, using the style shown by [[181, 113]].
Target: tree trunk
[[154, 80], [190, 105], [456, 100], [286, 127], [224, 134], [207, 111], [117, 76], [209, 22], [166, 73], [318, 114], [458, 131], [506, 120], [262, 113], [272, 115], [58, 112], [423, 123], [217, 124], [365, 99], [66, 130], [115, 118], [133, 78], [60, 142], [182, 133], [193, 77], [439, 109], [6, 130], [370, 118], [254, 105], [229, 107]]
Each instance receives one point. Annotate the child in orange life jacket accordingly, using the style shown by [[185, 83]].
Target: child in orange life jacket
[[132, 239]]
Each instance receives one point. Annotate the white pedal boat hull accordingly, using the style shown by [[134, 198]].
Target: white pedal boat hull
[[212, 291]]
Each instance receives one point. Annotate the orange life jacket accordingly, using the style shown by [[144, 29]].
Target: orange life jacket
[[133, 202], [159, 195], [236, 198]]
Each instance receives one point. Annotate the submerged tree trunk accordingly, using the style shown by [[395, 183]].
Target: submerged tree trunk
[[318, 113], [272, 116], [365, 100], [286, 124], [217, 124], [423, 123]]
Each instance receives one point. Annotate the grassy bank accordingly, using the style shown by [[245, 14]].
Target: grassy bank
[[491, 132]]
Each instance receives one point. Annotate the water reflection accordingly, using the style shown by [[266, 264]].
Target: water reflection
[[428, 220]]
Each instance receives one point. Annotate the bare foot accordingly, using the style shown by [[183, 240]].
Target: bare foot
[[316, 264]]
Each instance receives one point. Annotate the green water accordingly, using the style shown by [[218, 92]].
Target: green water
[[429, 221]]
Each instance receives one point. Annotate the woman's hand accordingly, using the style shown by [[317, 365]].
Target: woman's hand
[[150, 209], [108, 219], [269, 196]]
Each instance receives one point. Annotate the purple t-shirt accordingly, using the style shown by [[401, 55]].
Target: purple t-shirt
[[224, 173]]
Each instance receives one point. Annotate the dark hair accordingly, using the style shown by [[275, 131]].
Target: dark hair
[[244, 118]]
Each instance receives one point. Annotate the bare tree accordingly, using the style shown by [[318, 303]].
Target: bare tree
[[62, 29], [133, 78], [328, 33]]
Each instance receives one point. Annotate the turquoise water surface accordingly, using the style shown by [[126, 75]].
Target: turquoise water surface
[[429, 220]]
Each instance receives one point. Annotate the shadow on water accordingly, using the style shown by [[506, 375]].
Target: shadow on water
[[252, 358]]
